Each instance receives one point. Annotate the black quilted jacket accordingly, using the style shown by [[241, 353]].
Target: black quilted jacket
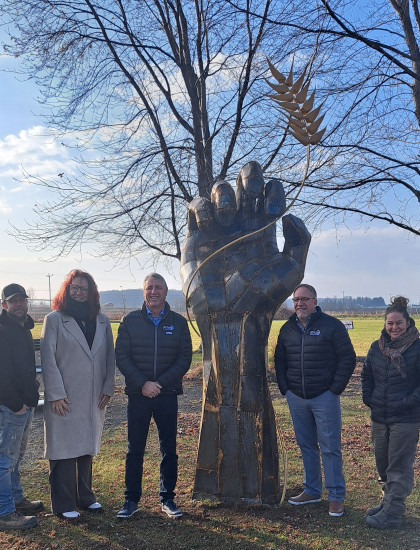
[[321, 358], [391, 397], [160, 354]]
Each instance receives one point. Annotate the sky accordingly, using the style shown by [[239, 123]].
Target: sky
[[381, 261]]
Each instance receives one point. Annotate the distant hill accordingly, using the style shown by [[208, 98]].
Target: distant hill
[[134, 298]]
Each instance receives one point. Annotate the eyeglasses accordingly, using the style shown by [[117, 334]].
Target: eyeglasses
[[303, 299], [76, 288]]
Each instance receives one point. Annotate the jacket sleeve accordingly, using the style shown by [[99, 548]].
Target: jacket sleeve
[[109, 385], [367, 379], [183, 359], [9, 394], [345, 356], [281, 366], [134, 378], [53, 382], [413, 400]]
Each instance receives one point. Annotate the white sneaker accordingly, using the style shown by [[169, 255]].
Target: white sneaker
[[70, 515], [95, 507]]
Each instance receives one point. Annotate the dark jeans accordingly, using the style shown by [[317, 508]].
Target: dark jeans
[[140, 410]]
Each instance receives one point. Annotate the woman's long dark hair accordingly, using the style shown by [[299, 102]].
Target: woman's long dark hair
[[60, 299]]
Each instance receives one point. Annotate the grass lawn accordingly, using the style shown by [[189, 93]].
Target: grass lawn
[[365, 331], [212, 526]]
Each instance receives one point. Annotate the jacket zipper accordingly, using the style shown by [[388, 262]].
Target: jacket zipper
[[155, 353], [301, 363], [156, 346]]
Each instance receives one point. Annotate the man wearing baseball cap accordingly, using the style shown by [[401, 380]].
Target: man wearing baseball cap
[[18, 397]]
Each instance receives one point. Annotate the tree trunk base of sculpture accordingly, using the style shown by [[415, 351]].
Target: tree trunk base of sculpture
[[269, 501]]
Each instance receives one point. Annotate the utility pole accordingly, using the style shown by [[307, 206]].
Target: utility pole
[[123, 299], [49, 275]]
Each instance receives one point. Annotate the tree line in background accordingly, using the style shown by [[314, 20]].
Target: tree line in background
[[115, 303], [155, 101]]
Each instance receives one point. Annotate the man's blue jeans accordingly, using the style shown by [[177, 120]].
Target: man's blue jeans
[[140, 410], [317, 425], [14, 434]]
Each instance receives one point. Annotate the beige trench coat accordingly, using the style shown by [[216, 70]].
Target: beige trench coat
[[71, 369]]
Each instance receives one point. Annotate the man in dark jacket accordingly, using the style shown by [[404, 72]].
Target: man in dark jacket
[[314, 360], [153, 352], [18, 397]]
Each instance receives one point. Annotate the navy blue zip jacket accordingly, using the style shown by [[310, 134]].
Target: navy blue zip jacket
[[321, 358], [145, 352]]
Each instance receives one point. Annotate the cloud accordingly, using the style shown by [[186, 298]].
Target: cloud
[[4, 208], [36, 151]]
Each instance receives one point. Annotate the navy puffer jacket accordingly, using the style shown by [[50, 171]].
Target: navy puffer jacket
[[321, 358], [145, 352], [391, 397]]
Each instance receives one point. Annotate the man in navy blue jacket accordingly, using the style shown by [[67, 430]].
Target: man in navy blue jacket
[[314, 361], [153, 352]]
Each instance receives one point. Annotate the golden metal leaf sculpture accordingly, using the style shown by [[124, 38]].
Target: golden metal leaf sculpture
[[292, 97]]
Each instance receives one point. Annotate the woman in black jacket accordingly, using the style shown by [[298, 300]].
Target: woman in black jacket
[[391, 389]]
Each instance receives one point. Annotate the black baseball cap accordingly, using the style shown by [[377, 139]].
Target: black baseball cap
[[12, 290]]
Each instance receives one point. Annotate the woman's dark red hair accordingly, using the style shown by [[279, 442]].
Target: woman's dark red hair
[[60, 299]]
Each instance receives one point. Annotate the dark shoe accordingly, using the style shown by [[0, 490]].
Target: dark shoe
[[16, 520], [375, 509], [382, 520], [128, 510], [336, 509], [28, 508], [170, 508], [303, 498]]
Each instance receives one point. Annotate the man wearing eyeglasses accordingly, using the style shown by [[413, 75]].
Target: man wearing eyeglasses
[[18, 397], [314, 361]]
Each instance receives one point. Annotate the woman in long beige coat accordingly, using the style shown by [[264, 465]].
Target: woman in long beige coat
[[77, 357]]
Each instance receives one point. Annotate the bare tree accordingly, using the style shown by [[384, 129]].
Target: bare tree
[[365, 60], [373, 69], [167, 94], [161, 99]]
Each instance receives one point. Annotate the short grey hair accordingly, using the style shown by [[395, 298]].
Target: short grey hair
[[309, 287], [154, 276]]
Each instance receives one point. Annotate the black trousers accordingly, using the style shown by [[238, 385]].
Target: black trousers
[[140, 411], [71, 484]]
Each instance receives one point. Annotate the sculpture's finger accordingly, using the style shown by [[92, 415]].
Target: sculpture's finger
[[249, 185], [200, 215], [274, 198], [224, 203], [296, 238]]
